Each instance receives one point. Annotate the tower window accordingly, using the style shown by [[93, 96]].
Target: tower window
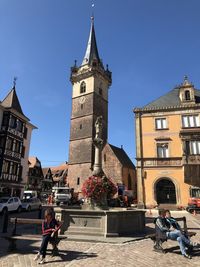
[[187, 95], [81, 106], [78, 181], [81, 126], [83, 88], [100, 91], [104, 157]]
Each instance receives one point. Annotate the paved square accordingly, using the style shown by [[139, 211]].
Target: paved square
[[131, 254]]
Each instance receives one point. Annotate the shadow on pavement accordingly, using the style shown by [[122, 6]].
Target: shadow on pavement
[[25, 247], [71, 255]]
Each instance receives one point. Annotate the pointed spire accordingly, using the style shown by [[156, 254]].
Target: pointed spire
[[91, 54], [12, 101]]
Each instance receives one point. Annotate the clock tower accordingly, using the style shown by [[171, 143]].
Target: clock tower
[[90, 83]]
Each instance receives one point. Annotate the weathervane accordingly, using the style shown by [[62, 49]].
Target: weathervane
[[14, 81], [92, 17]]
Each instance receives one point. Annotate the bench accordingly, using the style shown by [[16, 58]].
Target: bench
[[184, 230], [13, 237]]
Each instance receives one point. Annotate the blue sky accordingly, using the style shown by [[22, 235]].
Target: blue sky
[[149, 45]]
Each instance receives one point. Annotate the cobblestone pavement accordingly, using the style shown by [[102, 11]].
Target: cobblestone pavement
[[133, 253]]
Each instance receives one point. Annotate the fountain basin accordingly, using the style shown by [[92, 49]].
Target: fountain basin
[[106, 223]]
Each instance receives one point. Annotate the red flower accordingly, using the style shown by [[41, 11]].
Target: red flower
[[94, 187]]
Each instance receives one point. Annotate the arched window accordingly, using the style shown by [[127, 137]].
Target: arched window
[[83, 88], [187, 95]]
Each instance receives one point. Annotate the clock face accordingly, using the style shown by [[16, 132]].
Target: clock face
[[81, 99]]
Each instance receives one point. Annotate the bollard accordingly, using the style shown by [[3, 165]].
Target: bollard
[[5, 222]]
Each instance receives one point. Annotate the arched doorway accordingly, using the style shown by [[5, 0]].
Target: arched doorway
[[165, 192]]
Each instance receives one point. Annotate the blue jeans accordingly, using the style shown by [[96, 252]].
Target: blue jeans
[[182, 240], [43, 247]]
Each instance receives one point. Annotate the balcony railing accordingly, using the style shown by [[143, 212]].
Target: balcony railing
[[9, 177], [12, 154], [191, 160], [11, 130], [162, 162]]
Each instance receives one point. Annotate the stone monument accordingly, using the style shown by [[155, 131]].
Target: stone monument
[[98, 143]]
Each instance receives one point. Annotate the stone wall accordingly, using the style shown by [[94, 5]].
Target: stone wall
[[81, 171]]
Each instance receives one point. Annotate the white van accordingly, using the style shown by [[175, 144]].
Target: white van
[[62, 194]]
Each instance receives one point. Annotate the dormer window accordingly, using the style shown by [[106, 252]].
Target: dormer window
[[187, 95], [83, 88]]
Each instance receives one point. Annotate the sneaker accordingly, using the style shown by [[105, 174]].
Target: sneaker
[[37, 256], [195, 244], [187, 256], [159, 249], [42, 261]]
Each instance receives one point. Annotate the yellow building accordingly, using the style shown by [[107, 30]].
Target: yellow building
[[168, 147]]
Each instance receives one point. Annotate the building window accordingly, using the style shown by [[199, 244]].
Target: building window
[[6, 166], [187, 95], [23, 152], [20, 172], [194, 147], [14, 168], [25, 132], [5, 120], [81, 106], [81, 126], [13, 122], [190, 121], [83, 88], [9, 144], [162, 150], [100, 91], [161, 123], [78, 181], [17, 146], [104, 157], [2, 141], [129, 182], [19, 126]]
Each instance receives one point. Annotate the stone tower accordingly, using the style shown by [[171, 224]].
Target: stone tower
[[90, 83]]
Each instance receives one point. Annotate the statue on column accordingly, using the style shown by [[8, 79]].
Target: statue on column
[[98, 127], [98, 143]]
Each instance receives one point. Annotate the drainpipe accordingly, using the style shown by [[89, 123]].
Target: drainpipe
[[139, 157]]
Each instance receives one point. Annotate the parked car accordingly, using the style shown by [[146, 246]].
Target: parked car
[[31, 204], [10, 204]]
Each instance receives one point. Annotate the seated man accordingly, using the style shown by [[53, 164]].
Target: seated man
[[175, 233], [165, 229], [161, 228]]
